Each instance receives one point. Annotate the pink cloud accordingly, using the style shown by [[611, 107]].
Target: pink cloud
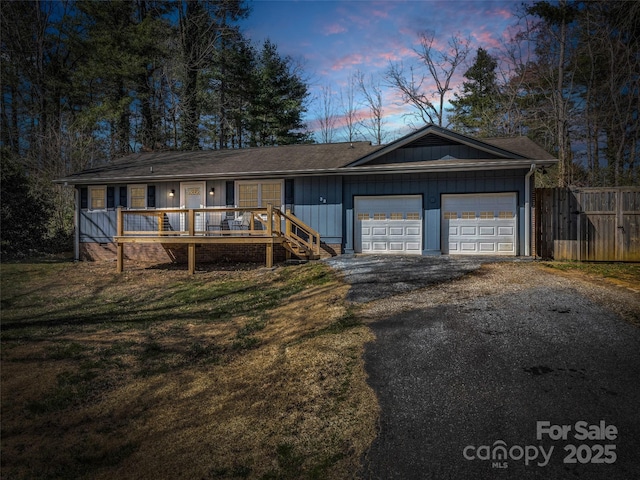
[[333, 29], [348, 61], [486, 40], [504, 13], [380, 13]]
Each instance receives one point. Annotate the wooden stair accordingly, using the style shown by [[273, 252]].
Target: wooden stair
[[299, 250], [299, 238]]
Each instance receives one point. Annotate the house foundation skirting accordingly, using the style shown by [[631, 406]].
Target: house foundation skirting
[[159, 253], [178, 253]]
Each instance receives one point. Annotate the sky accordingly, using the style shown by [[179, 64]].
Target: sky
[[333, 39]]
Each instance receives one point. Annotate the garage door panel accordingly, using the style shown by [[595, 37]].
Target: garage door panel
[[479, 223], [487, 247], [388, 224]]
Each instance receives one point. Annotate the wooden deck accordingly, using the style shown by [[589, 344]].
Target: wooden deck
[[268, 226]]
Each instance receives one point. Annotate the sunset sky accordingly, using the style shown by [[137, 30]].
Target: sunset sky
[[336, 38]]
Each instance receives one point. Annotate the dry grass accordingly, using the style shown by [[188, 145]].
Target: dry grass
[[154, 374], [621, 274]]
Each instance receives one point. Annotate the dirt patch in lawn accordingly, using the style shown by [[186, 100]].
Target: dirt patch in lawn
[[250, 373]]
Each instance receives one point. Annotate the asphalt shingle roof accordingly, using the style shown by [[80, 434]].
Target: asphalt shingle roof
[[287, 160]]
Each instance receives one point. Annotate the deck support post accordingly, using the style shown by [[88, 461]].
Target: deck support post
[[119, 257], [269, 249], [119, 245], [191, 258]]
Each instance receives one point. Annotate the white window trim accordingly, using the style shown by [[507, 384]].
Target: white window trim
[[90, 197], [130, 197], [259, 182]]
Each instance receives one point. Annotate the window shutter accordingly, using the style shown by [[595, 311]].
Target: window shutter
[[288, 191], [123, 197], [84, 197], [230, 190], [151, 196], [111, 197]]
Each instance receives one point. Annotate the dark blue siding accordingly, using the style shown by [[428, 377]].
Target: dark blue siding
[[431, 186], [324, 216]]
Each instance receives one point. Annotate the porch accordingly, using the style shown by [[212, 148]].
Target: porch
[[201, 226]]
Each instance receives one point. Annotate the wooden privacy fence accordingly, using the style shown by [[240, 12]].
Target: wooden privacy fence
[[588, 224]]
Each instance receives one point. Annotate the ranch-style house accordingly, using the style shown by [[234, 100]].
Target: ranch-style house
[[431, 192]]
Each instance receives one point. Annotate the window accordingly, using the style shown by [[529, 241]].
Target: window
[[505, 215], [97, 198], [469, 215], [379, 216], [413, 216], [450, 215], [363, 216], [138, 196], [396, 216], [486, 215], [251, 195], [271, 193]]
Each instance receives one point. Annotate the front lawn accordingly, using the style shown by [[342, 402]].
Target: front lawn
[[623, 274], [153, 373]]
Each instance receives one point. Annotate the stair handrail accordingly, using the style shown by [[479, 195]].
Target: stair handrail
[[313, 242]]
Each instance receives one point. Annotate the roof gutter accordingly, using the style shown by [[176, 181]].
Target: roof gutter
[[378, 169], [527, 210]]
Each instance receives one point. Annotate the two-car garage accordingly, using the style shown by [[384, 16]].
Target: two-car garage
[[470, 224]]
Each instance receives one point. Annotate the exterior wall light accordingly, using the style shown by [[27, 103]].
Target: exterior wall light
[[172, 193], [212, 192]]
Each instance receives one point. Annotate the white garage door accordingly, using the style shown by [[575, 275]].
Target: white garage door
[[388, 224], [479, 224]]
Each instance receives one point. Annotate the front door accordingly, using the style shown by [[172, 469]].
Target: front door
[[192, 196]]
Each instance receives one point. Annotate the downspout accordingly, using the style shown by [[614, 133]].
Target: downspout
[[527, 210]]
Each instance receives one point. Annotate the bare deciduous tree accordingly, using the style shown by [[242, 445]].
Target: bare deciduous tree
[[372, 93], [349, 109], [327, 117], [441, 65]]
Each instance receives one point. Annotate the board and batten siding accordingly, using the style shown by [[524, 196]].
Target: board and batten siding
[[99, 226], [432, 186], [325, 216], [436, 152]]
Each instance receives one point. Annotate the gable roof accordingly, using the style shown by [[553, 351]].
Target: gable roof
[[521, 148], [316, 159]]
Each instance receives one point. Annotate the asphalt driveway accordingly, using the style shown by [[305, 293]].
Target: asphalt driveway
[[504, 371]]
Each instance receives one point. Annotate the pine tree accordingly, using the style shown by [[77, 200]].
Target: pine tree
[[476, 110], [280, 101]]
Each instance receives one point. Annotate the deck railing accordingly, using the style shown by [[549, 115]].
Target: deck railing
[[215, 225]]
